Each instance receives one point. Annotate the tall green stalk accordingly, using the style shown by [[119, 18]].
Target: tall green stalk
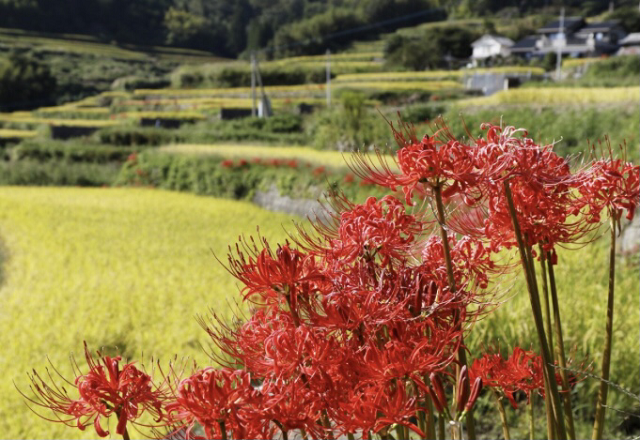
[[532, 426], [568, 412], [503, 416], [545, 290], [534, 297], [598, 426], [462, 355]]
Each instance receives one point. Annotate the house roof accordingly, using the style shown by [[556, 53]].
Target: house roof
[[504, 41], [527, 44], [633, 39], [601, 26], [571, 24]]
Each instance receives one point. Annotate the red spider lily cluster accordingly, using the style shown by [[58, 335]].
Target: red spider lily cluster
[[358, 326]]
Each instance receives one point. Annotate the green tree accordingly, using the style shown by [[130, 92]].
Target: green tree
[[182, 26], [25, 83]]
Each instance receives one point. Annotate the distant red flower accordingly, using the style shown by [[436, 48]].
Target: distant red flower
[[292, 163], [318, 171], [243, 162], [228, 163], [349, 178], [522, 371], [106, 389], [132, 157]]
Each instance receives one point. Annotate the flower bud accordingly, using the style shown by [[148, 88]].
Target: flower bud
[[475, 392], [462, 391]]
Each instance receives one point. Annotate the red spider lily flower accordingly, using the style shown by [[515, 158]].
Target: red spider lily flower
[[435, 161], [214, 398], [374, 405], [291, 405], [542, 187], [522, 371], [613, 184], [348, 178], [269, 278], [471, 258], [376, 228], [106, 389], [228, 163], [243, 162], [409, 352]]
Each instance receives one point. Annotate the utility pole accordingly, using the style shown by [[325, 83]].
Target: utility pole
[[561, 42], [254, 105], [328, 88]]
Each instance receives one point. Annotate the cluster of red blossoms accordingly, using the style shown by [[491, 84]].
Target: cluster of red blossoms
[[357, 327]]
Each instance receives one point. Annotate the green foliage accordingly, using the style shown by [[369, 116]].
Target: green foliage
[[619, 67], [24, 82], [432, 48], [240, 76], [572, 127], [282, 128], [48, 150], [134, 135], [629, 17], [308, 36], [57, 173], [420, 113], [332, 130]]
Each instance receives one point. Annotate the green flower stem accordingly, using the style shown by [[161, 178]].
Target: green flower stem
[[431, 425], [545, 290], [503, 416], [462, 355], [441, 435], [534, 298], [532, 426], [568, 412], [223, 430], [598, 426]]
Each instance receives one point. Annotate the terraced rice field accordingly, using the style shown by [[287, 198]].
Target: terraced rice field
[[115, 267], [434, 74], [559, 95], [6, 133], [58, 43], [333, 159]]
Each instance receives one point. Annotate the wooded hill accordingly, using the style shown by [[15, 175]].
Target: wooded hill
[[286, 27]]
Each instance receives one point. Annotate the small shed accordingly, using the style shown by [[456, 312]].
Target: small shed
[[489, 46]]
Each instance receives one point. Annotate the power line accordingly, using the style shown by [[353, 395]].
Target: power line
[[353, 30]]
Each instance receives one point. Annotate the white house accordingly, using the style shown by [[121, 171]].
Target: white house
[[630, 45], [489, 46]]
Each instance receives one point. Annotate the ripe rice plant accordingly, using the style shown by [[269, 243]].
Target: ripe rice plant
[[6, 133], [434, 74], [138, 257], [559, 95], [402, 85]]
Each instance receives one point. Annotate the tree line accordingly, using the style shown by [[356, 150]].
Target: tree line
[[286, 27]]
